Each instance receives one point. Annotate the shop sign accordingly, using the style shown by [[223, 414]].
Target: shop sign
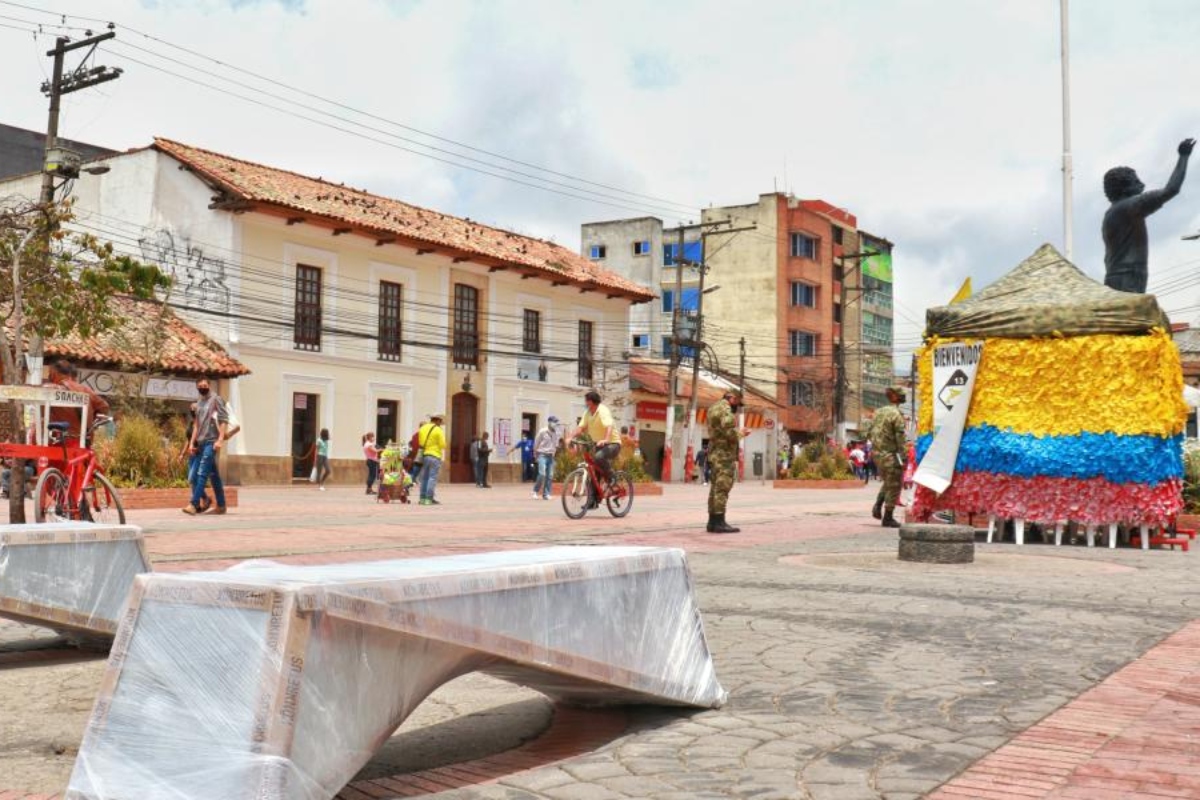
[[651, 412]]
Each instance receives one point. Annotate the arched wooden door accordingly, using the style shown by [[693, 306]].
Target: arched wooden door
[[464, 408]]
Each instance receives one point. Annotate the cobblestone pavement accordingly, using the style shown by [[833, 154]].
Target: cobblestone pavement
[[851, 674]]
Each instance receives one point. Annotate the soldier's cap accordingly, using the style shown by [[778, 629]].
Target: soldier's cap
[[896, 390], [732, 393]]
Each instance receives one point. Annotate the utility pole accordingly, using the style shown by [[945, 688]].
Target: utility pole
[[742, 409], [55, 88], [841, 380], [697, 341], [1067, 167], [674, 359], [55, 165]]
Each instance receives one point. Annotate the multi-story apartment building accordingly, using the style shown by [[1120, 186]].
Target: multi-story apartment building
[[645, 252], [356, 312], [801, 303]]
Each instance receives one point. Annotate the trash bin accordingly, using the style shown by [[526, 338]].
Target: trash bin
[[758, 465]]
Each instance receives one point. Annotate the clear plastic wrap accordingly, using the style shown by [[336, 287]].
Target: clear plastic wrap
[[275, 681], [69, 576]]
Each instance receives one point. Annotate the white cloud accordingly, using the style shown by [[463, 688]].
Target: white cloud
[[937, 123]]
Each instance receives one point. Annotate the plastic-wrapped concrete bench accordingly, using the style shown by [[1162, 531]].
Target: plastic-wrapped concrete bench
[[275, 681], [69, 576]]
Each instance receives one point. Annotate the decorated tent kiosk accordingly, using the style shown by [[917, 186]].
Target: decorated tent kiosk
[[1075, 409]]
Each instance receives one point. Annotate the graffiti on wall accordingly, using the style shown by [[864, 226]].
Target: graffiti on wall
[[200, 279]]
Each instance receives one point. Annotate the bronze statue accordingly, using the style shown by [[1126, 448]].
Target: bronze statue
[[1124, 228]]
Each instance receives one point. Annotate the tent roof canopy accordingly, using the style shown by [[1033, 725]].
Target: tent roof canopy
[[1046, 295]]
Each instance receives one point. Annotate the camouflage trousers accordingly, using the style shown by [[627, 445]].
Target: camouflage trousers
[[723, 467], [892, 474]]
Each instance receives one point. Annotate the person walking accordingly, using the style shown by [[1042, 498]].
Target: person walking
[[208, 436], [723, 439], [888, 446], [432, 439], [545, 445], [480, 450], [702, 469], [322, 447], [193, 461], [527, 459], [371, 454]]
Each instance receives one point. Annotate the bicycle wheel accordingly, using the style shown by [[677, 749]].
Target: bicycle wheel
[[51, 500], [620, 495], [101, 503], [576, 494]]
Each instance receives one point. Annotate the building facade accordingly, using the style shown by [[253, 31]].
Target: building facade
[[801, 304], [355, 312]]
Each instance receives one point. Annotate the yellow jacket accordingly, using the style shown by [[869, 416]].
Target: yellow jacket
[[432, 438]]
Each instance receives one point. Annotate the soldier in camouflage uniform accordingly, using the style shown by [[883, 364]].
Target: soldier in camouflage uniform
[[888, 442], [723, 437]]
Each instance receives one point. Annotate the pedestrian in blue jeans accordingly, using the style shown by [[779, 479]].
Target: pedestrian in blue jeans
[[208, 435], [544, 447]]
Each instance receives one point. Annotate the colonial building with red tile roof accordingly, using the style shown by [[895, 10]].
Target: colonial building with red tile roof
[[357, 312]]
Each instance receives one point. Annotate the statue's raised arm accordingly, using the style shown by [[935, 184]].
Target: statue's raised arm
[[1126, 253]]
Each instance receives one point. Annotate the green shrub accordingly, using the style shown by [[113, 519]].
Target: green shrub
[[628, 461], [1191, 478], [143, 454], [819, 461]]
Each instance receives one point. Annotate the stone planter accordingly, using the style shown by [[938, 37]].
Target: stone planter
[[133, 499], [937, 544], [789, 483]]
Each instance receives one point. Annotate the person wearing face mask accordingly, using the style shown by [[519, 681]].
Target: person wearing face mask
[[208, 436]]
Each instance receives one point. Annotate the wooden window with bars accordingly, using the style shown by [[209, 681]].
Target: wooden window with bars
[[586, 369], [466, 326], [306, 329], [531, 341], [391, 299]]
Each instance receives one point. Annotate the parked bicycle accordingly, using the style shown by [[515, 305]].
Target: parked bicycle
[[584, 487], [72, 487]]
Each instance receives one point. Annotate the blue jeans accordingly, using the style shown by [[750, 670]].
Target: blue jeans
[[206, 469], [429, 476], [544, 484]]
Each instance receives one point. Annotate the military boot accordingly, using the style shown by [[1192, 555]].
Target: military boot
[[888, 520], [719, 525], [877, 509]]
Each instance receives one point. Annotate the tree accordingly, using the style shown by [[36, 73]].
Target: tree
[[53, 282]]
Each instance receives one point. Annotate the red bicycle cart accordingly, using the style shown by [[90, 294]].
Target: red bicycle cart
[[70, 484]]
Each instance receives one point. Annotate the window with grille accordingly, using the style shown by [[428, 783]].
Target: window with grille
[[585, 353], [531, 342], [391, 298], [466, 327], [802, 343], [306, 328], [801, 393], [804, 294], [804, 246]]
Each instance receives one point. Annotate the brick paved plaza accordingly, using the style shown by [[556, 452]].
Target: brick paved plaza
[[1039, 672]]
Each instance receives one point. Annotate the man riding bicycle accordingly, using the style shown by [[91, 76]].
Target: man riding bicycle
[[597, 423]]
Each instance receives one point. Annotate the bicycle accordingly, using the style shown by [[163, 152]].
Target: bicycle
[[579, 488], [78, 491]]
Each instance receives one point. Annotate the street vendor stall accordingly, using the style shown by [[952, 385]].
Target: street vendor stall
[[1071, 400]]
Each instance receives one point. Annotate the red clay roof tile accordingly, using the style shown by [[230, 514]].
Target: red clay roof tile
[[382, 216], [133, 345]]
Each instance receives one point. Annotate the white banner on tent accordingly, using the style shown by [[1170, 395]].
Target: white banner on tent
[[954, 368]]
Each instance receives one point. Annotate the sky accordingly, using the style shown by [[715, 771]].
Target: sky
[[938, 123]]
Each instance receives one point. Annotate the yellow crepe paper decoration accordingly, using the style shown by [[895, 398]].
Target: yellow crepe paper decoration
[[1065, 386]]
